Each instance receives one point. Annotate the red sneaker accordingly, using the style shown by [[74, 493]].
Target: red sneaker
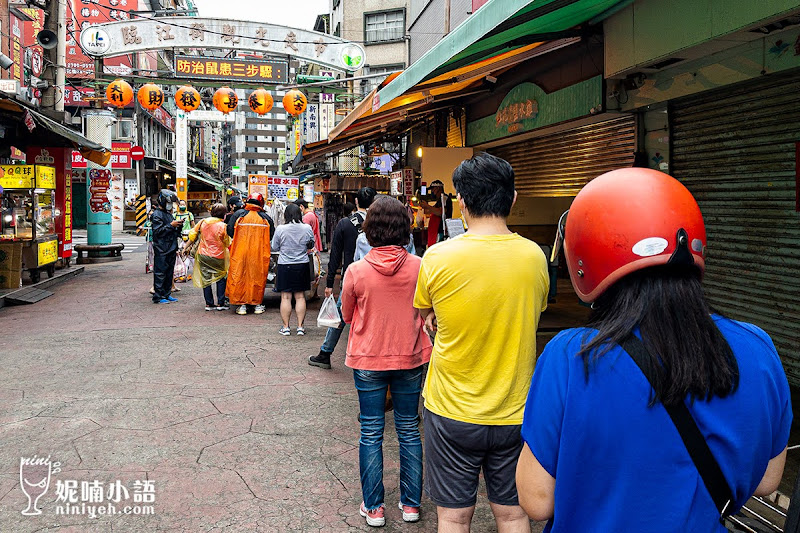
[[410, 514], [374, 517]]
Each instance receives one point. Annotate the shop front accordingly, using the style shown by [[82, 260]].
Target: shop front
[[722, 117], [36, 198]]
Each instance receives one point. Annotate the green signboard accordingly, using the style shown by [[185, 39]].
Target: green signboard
[[527, 107]]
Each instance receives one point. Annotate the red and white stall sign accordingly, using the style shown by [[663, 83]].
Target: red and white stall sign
[[121, 155]]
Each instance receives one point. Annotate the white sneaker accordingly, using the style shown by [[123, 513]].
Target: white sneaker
[[301, 331], [260, 309], [410, 514], [242, 310], [285, 331]]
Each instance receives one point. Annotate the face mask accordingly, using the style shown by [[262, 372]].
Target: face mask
[[182, 208], [169, 207]]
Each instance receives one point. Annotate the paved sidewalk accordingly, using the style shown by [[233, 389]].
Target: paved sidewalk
[[220, 412]]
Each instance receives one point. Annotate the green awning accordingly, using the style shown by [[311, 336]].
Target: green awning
[[497, 27], [196, 174]]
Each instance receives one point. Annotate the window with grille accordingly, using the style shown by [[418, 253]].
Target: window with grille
[[371, 83], [384, 26]]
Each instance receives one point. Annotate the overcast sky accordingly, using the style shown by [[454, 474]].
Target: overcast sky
[[295, 13]]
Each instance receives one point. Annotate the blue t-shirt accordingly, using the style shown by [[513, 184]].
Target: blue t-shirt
[[620, 465]]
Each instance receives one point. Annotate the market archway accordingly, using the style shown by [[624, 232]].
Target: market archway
[[167, 33]]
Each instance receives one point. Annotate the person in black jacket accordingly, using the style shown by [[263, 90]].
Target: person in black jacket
[[343, 246], [234, 204], [166, 231], [231, 219]]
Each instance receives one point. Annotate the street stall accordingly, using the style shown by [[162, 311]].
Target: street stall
[[28, 218], [37, 211]]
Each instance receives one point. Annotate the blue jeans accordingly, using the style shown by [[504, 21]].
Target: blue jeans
[[209, 296], [333, 334], [406, 386]]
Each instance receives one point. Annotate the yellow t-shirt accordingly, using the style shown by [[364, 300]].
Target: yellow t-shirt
[[488, 292]]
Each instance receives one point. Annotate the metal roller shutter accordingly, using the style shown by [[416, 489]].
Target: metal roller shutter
[[734, 149], [560, 164]]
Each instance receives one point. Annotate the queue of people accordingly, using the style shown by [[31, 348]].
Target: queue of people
[[659, 415]]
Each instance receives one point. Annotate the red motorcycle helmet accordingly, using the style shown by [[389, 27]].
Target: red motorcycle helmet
[[256, 198], [627, 220]]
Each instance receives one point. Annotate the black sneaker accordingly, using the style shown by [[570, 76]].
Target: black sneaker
[[323, 360]]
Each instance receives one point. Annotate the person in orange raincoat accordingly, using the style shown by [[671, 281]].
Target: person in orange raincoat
[[250, 253]]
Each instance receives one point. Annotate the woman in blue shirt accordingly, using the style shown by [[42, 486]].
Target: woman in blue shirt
[[601, 452]]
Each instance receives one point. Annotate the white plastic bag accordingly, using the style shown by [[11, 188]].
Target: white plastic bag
[[329, 314]]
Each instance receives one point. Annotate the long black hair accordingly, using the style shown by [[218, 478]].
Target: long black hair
[[292, 214], [668, 305]]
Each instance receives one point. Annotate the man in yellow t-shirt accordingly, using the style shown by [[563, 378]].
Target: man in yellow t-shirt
[[483, 293]]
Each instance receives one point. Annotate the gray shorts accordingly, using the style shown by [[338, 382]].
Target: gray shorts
[[456, 451]]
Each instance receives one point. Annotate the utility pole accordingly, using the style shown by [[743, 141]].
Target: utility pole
[[55, 71]]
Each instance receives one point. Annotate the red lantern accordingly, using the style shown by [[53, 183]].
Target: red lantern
[[187, 98], [225, 100], [260, 101], [119, 93], [294, 102], [150, 96]]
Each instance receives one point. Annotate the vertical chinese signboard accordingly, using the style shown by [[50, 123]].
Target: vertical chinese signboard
[[16, 48], [312, 123], [99, 183], [408, 182]]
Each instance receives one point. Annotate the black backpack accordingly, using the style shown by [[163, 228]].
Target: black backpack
[[356, 219]]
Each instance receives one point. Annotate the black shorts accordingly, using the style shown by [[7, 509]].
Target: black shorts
[[456, 451], [293, 278]]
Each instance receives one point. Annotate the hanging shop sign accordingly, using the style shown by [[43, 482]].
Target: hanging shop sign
[[17, 176], [257, 184], [120, 155], [100, 181], [162, 116], [312, 123], [283, 187], [45, 177], [212, 68], [527, 107], [145, 34]]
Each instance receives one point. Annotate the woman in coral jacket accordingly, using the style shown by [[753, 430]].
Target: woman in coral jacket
[[386, 348]]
